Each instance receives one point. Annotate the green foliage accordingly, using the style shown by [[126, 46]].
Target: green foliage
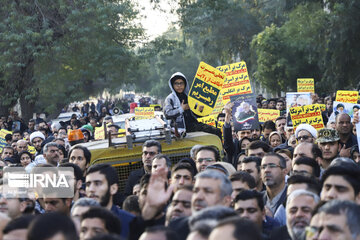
[[271, 63], [280, 40], [59, 51], [220, 30], [56, 51], [291, 51], [161, 58], [341, 59], [317, 43]]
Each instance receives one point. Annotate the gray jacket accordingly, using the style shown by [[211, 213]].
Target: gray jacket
[[172, 106]]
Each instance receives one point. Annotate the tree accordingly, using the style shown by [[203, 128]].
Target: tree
[[269, 12], [221, 30], [54, 52], [291, 51], [341, 56], [162, 57], [316, 42], [271, 62]]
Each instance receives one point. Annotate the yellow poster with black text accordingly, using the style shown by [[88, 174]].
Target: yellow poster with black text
[[305, 85], [99, 133], [219, 105], [205, 89], [322, 107], [144, 113], [32, 150], [268, 114], [347, 96], [209, 120], [310, 114], [236, 82]]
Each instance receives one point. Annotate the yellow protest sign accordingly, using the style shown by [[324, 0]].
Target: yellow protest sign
[[305, 85], [144, 113], [237, 80], [209, 120], [219, 105], [268, 114], [347, 96], [99, 133], [205, 89], [310, 114], [155, 105], [220, 126], [3, 133]]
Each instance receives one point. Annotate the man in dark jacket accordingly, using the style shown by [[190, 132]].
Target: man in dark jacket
[[150, 149]]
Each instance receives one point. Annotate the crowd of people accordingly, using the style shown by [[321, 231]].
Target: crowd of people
[[266, 183]]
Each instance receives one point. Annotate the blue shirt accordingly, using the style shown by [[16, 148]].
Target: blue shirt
[[125, 219]]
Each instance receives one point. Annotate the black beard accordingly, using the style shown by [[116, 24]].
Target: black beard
[[104, 200]]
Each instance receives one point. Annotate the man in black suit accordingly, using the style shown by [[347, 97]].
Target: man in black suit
[[150, 149]]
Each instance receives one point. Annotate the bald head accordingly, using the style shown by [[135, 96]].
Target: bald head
[[342, 115], [21, 145], [343, 124]]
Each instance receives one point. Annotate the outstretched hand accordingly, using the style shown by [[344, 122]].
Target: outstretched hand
[[228, 109], [157, 194]]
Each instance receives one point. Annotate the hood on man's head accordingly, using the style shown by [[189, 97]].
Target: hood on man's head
[[175, 76], [173, 79]]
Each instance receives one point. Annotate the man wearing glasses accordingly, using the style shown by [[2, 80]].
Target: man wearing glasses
[[206, 155], [273, 171], [150, 149]]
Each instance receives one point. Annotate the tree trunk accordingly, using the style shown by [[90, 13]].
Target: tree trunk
[[4, 110], [26, 87], [27, 109]]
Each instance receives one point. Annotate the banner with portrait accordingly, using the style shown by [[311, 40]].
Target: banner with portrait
[[244, 112]]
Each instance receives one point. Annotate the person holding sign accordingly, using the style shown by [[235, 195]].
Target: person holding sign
[[177, 107]]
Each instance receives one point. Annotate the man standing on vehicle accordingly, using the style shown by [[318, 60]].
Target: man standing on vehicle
[[150, 149]]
